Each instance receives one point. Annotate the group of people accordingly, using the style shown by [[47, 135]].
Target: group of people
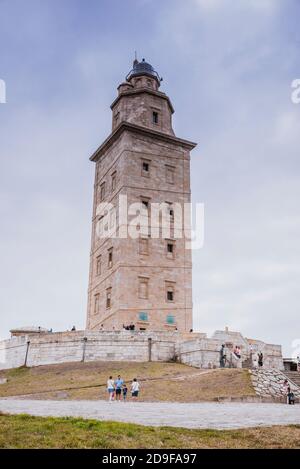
[[237, 351], [131, 327], [117, 389], [223, 357], [257, 358]]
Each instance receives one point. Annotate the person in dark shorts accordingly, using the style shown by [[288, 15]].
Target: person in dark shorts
[[118, 387], [135, 388], [291, 397], [125, 391]]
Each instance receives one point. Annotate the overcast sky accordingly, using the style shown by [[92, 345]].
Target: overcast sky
[[228, 68]]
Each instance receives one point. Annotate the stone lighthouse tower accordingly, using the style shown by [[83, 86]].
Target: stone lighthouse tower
[[140, 274]]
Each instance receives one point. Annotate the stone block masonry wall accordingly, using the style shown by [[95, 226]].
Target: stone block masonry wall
[[13, 352], [201, 353], [87, 346], [204, 353], [269, 383], [192, 349]]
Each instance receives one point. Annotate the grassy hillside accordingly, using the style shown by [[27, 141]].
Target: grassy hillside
[[160, 381], [34, 432]]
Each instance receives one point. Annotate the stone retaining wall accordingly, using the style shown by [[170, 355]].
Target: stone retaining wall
[[189, 348], [87, 346]]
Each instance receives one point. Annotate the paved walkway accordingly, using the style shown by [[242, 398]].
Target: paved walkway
[[195, 415]]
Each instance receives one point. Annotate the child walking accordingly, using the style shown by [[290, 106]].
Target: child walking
[[125, 390]]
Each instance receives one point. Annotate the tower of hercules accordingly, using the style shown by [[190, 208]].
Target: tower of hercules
[[140, 273]]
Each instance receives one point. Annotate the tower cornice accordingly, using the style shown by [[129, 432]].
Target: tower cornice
[[127, 126], [138, 91]]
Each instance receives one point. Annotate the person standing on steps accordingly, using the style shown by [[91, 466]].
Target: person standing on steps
[[260, 360], [237, 352], [222, 356]]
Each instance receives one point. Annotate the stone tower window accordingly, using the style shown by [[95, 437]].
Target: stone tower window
[[143, 288], [112, 218], [100, 227], [170, 249], [170, 174], [114, 181], [155, 118], [108, 298], [102, 191], [170, 209], [170, 292], [110, 258], [146, 168], [145, 203], [116, 118], [98, 265], [144, 216], [97, 304]]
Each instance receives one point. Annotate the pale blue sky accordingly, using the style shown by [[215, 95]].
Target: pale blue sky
[[228, 69]]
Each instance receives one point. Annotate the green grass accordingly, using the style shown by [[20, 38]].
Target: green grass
[[160, 381], [24, 431]]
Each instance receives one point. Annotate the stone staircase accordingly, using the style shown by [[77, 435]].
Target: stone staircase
[[293, 376], [270, 383]]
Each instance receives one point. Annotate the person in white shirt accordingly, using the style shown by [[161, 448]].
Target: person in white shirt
[[111, 389], [135, 388], [286, 390]]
